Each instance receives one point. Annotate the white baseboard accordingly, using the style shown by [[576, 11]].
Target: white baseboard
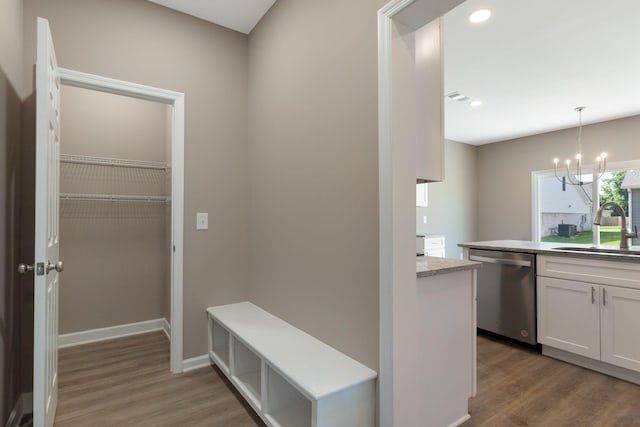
[[23, 406], [460, 421], [101, 334], [195, 363], [167, 328]]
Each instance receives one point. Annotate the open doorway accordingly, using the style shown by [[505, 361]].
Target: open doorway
[[115, 216], [138, 192]]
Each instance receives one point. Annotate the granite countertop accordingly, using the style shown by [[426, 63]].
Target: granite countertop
[[432, 266], [549, 248]]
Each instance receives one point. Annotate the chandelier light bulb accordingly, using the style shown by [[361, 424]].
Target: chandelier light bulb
[[568, 162], [555, 161], [578, 156]]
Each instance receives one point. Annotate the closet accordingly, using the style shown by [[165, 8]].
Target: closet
[[115, 212]]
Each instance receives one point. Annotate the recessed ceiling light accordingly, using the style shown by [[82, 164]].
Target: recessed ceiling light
[[480, 15], [476, 103]]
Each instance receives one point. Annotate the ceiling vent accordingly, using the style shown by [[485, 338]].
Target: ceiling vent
[[457, 96]]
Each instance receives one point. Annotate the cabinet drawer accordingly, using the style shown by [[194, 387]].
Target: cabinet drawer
[[617, 273], [439, 253], [434, 243]]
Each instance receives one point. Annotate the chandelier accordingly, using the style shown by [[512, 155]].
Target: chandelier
[[574, 175]]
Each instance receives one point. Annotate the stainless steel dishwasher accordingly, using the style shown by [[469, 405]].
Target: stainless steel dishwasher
[[507, 293]]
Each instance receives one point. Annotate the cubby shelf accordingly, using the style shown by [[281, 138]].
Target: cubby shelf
[[289, 378], [219, 345]]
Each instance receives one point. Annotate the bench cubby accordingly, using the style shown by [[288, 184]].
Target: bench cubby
[[247, 370], [289, 378]]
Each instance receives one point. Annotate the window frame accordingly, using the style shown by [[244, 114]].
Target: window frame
[[546, 173]]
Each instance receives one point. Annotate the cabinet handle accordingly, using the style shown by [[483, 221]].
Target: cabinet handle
[[593, 295], [604, 296]]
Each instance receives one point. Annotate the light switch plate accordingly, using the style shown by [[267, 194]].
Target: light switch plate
[[202, 221]]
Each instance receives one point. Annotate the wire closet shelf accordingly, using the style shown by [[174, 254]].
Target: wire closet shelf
[[108, 161], [113, 197], [115, 163]]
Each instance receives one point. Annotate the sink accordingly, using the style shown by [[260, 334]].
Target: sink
[[614, 251]]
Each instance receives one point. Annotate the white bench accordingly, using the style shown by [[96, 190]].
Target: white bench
[[289, 378]]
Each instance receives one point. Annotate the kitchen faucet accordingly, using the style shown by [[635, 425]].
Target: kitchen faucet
[[624, 233]]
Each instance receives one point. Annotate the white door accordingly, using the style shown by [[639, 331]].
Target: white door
[[569, 316], [47, 265], [620, 315]]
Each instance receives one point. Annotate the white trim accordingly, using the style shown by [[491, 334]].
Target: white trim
[[117, 87], [102, 334], [175, 99], [195, 363], [535, 205], [385, 210], [177, 233], [460, 421], [166, 327], [393, 217]]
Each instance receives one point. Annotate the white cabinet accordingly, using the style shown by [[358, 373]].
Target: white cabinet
[[288, 377], [422, 195], [431, 245], [569, 316], [619, 323], [434, 246], [590, 318], [429, 101], [446, 360]]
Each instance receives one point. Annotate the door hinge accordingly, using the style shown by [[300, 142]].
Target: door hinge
[[174, 248], [40, 269]]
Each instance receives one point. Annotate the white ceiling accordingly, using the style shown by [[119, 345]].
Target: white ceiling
[[239, 15], [533, 62]]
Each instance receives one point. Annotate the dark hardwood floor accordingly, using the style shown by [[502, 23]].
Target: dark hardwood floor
[[518, 387], [126, 382]]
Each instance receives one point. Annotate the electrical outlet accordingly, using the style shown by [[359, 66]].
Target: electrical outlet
[[424, 219], [202, 221]]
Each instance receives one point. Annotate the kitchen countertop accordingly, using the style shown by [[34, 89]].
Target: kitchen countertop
[[548, 248], [432, 266]]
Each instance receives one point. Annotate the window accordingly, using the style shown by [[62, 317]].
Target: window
[[564, 213]]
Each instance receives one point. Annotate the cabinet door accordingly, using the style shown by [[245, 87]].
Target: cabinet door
[[569, 316], [429, 102], [620, 317], [422, 195]]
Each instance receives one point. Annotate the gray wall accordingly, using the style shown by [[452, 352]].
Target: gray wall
[[453, 203], [10, 134], [116, 254], [141, 42], [313, 170], [504, 171]]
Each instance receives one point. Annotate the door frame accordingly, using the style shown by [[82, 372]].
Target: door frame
[[396, 207], [176, 101]]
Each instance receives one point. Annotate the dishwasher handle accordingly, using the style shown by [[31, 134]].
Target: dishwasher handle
[[503, 261]]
